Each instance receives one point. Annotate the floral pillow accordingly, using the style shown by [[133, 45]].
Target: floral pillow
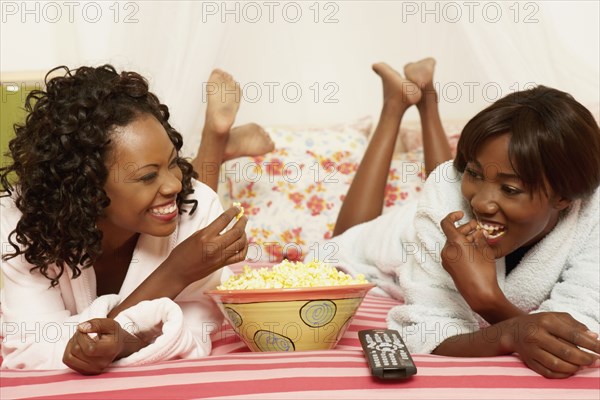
[[405, 179], [292, 195]]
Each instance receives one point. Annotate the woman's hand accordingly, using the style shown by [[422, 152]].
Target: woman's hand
[[552, 343], [203, 253], [208, 249], [468, 258], [97, 343], [470, 261]]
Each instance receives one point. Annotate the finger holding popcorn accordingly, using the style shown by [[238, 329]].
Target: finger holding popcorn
[[239, 206], [223, 221], [235, 232]]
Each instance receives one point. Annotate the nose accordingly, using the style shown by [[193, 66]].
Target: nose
[[484, 203], [171, 185]]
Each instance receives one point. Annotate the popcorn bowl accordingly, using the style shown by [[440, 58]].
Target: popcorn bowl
[[291, 319]]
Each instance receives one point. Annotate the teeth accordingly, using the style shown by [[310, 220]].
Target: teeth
[[491, 231], [493, 235], [164, 210]]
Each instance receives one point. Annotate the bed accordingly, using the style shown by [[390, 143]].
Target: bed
[[232, 371]]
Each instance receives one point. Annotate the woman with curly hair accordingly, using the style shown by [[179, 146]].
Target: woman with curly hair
[[108, 239]]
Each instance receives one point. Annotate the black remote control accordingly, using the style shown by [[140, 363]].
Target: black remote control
[[387, 354]]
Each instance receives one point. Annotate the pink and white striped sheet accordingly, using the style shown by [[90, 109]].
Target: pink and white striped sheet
[[233, 372]]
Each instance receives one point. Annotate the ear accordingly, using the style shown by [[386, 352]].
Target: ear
[[561, 203]]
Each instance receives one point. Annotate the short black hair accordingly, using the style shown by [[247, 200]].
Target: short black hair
[[552, 136]]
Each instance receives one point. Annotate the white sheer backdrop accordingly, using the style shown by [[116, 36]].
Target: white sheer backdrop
[[309, 62]]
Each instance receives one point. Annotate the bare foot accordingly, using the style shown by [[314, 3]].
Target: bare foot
[[223, 101], [397, 89], [249, 140], [420, 72]]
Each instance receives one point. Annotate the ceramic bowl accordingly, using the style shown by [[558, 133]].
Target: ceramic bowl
[[296, 319]]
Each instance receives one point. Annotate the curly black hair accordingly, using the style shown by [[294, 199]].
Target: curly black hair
[[58, 157]]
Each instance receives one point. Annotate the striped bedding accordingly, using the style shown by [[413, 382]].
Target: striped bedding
[[233, 372]]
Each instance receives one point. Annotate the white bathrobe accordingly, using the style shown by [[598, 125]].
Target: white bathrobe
[[400, 252], [38, 321]]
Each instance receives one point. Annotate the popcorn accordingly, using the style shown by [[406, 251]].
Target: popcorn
[[239, 205], [288, 274]]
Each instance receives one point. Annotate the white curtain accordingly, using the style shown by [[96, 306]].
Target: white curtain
[[308, 62]]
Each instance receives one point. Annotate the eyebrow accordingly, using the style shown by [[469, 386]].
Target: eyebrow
[[499, 174], [156, 165]]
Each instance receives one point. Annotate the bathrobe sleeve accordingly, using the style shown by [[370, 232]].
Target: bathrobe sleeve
[[433, 308], [36, 323]]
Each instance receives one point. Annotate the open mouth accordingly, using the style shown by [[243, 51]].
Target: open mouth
[[165, 210], [491, 231]]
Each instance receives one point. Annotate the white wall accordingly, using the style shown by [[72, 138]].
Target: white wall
[[481, 54]]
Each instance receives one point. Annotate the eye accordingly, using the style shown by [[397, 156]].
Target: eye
[[511, 190], [472, 173], [148, 177]]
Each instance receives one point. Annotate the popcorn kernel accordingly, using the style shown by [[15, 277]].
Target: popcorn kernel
[[239, 205]]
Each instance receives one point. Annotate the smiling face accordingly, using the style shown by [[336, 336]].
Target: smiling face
[[143, 182], [501, 203]]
